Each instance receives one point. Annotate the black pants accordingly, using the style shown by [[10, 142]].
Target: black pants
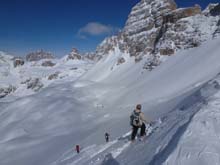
[[107, 139], [135, 130]]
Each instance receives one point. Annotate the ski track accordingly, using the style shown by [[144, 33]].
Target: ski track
[[86, 154], [95, 154]]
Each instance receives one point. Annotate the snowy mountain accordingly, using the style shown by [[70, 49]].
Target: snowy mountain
[[39, 55], [165, 58], [19, 78]]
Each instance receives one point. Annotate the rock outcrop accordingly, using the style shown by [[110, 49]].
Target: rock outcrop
[[178, 14], [74, 55], [4, 91], [92, 56], [121, 61], [48, 64], [39, 55], [211, 6], [144, 24], [18, 61], [34, 84], [215, 11], [54, 76], [151, 63]]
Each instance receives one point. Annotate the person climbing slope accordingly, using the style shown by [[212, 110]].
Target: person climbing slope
[[107, 137], [137, 120], [77, 149]]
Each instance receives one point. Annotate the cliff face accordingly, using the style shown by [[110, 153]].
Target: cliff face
[[144, 24], [158, 28]]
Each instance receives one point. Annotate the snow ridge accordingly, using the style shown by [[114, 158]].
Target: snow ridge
[[198, 100]]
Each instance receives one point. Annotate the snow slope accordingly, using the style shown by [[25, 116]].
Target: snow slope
[[199, 144], [43, 128]]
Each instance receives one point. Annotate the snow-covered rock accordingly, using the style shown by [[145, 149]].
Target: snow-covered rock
[[215, 11], [158, 28], [18, 61], [19, 78], [35, 84], [74, 55], [48, 64], [39, 55], [4, 91], [207, 10], [53, 76]]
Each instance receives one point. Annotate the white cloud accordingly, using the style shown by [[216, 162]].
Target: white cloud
[[95, 29]]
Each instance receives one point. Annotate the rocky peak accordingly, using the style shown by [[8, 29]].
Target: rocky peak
[[146, 14], [215, 11], [157, 28], [206, 12], [144, 23], [39, 55], [74, 55]]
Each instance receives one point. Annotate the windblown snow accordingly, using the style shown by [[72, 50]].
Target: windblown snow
[[181, 97]]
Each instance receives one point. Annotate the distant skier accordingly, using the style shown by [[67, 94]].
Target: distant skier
[[137, 120], [107, 137], [77, 149]]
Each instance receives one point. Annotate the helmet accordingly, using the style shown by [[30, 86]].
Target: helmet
[[138, 106]]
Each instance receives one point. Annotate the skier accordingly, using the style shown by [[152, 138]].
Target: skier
[[107, 137], [77, 149], [137, 120]]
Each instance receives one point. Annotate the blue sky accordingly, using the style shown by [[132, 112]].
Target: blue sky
[[59, 25]]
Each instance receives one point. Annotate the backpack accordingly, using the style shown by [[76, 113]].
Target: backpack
[[135, 119]]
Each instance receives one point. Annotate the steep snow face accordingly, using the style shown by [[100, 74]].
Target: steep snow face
[[199, 144], [108, 65]]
